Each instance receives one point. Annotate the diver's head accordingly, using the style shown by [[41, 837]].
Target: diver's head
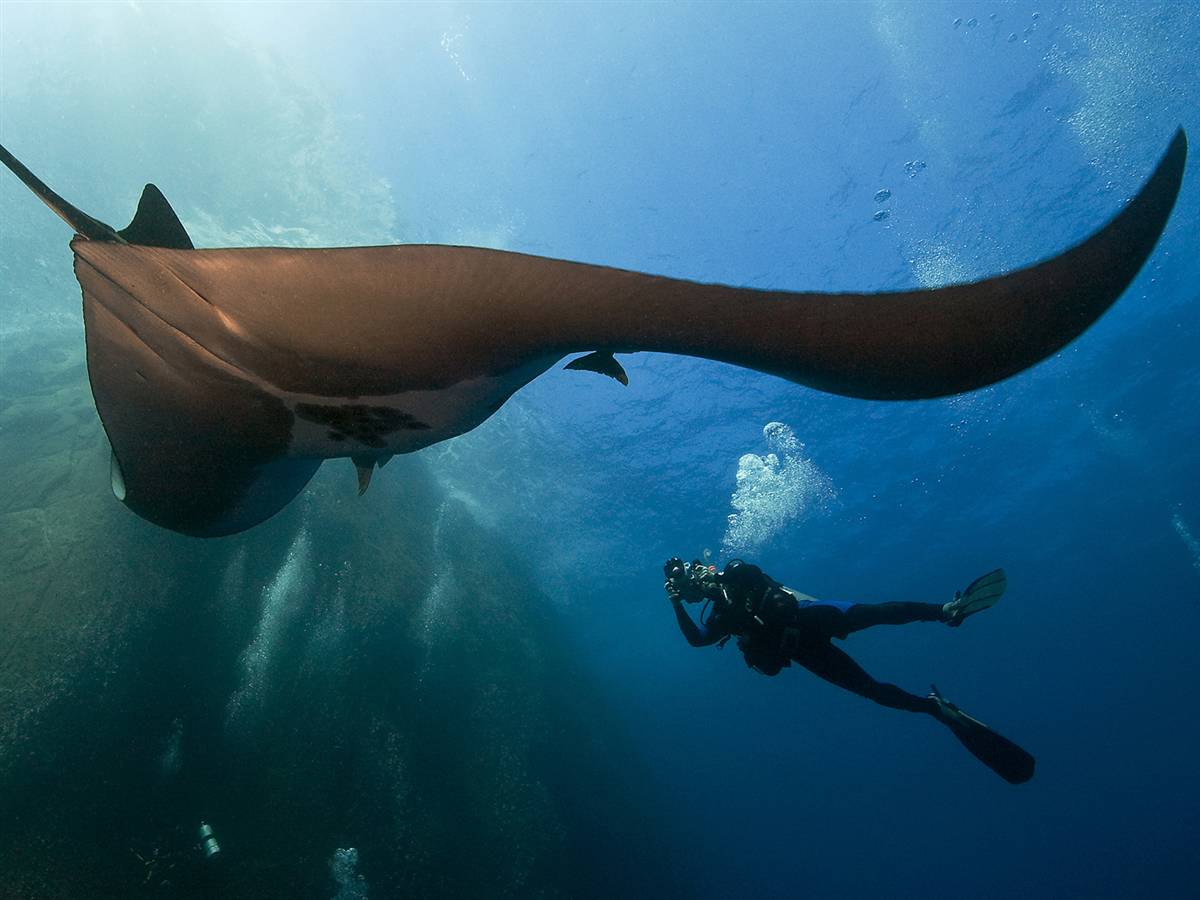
[[741, 574]]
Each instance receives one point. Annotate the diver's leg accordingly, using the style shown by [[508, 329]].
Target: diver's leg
[[839, 620], [866, 615], [835, 666]]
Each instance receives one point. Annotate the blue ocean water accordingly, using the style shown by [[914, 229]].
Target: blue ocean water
[[745, 144]]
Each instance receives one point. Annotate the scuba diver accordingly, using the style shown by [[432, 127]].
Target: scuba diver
[[776, 626]]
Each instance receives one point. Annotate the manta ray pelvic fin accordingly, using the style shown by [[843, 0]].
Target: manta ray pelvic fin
[[602, 362]]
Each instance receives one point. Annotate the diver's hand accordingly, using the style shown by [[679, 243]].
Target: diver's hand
[[672, 592], [674, 570]]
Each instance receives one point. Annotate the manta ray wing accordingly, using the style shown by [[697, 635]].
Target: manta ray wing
[[224, 377], [195, 447]]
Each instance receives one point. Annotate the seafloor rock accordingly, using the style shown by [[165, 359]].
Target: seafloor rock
[[375, 673]]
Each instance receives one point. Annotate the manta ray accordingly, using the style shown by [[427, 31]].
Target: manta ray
[[225, 377]]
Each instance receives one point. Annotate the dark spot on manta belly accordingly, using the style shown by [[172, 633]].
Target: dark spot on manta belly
[[368, 425]]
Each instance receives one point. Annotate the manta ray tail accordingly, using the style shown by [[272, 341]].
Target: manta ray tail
[[90, 228], [154, 225]]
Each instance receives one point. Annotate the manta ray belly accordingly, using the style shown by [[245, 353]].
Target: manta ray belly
[[383, 425]]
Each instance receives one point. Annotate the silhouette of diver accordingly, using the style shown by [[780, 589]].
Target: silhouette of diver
[[775, 626]]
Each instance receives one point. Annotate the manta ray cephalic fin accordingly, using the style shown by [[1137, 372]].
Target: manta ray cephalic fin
[[364, 466]]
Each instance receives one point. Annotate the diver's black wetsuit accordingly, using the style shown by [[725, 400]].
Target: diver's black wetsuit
[[783, 628], [775, 626]]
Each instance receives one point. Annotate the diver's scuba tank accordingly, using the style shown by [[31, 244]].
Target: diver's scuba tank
[[208, 842]]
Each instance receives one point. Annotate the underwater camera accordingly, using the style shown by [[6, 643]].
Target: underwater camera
[[690, 579]]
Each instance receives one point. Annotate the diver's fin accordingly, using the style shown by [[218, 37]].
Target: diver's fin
[[90, 228], [365, 467], [994, 750], [982, 593], [155, 223], [602, 362]]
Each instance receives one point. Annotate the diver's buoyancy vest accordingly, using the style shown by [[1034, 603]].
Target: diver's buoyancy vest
[[764, 600], [762, 609]]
